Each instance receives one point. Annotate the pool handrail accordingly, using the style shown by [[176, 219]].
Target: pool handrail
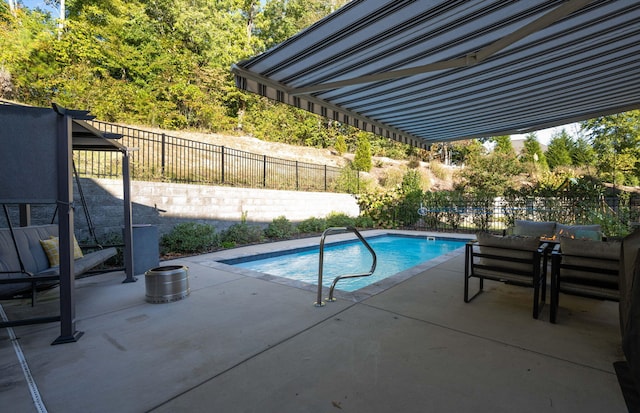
[[340, 230]]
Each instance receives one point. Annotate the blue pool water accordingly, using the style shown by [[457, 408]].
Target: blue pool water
[[395, 254]]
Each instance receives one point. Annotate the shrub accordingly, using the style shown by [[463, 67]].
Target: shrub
[[242, 233], [341, 145], [364, 222], [380, 206], [439, 171], [391, 177], [347, 181], [339, 219], [312, 225], [413, 163], [362, 158], [190, 237], [228, 244], [280, 228]]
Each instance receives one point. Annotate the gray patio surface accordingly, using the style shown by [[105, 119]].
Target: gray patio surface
[[244, 343]]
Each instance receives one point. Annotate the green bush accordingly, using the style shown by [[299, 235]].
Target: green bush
[[413, 163], [242, 233], [364, 222], [190, 237], [312, 225], [439, 170], [347, 181], [339, 219], [362, 158], [280, 228]]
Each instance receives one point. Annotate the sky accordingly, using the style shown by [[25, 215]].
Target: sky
[[545, 135], [32, 4]]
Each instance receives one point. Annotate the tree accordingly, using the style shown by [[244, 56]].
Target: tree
[[559, 150], [490, 174], [163, 63], [362, 158], [13, 7], [341, 145], [503, 145], [532, 153], [582, 153], [505, 156], [616, 142]]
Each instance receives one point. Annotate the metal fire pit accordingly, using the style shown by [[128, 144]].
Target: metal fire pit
[[166, 284]]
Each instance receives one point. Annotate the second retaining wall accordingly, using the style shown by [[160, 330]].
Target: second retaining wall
[[166, 204]]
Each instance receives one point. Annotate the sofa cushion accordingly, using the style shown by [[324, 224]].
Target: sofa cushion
[[513, 246], [604, 255], [28, 242], [534, 229]]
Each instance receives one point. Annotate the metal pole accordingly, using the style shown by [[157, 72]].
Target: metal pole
[[25, 215], [68, 332], [264, 171], [325, 178], [127, 233], [222, 164]]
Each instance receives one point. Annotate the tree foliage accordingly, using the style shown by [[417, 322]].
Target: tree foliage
[[158, 63], [532, 153], [559, 150], [491, 174], [166, 63], [362, 158], [616, 143]]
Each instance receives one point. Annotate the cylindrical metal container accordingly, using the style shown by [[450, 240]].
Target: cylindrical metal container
[[166, 284]]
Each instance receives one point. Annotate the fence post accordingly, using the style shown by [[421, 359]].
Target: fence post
[[162, 156], [297, 183], [325, 178], [264, 171], [222, 164]]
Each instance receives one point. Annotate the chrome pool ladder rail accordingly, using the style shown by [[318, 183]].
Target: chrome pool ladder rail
[[340, 230]]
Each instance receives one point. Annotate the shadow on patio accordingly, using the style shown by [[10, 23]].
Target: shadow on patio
[[242, 344]]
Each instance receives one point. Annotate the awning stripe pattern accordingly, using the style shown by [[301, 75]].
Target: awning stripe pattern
[[431, 71]]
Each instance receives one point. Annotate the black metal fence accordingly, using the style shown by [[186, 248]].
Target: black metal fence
[[468, 215], [164, 158]]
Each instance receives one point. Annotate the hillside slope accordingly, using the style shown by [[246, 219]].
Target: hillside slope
[[386, 172]]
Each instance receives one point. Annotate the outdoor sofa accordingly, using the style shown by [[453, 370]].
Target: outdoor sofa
[[585, 268], [519, 260], [520, 256], [550, 230], [25, 266]]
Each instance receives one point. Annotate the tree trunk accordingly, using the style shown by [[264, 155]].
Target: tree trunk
[[61, 19], [12, 7]]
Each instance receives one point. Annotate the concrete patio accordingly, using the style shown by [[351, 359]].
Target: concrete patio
[[241, 342]]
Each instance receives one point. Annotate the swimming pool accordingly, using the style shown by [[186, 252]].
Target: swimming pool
[[396, 253]]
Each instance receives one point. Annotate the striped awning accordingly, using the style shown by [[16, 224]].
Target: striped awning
[[421, 71]]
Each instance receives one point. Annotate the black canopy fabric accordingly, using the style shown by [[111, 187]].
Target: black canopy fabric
[[431, 71]]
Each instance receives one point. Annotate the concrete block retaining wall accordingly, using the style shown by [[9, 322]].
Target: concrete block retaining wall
[[166, 204]]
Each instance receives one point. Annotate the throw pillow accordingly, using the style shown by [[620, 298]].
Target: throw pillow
[[542, 229], [51, 247]]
